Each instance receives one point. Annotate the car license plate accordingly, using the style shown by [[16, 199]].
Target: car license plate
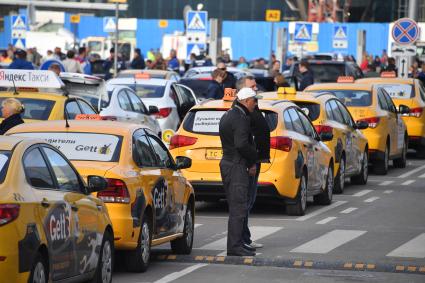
[[214, 154]]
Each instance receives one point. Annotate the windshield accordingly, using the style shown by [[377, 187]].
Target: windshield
[[4, 164], [327, 72], [36, 109], [353, 97], [95, 46], [311, 109], [207, 121], [398, 91], [147, 91], [82, 146]]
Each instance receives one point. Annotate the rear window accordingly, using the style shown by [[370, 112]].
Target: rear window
[[37, 109], [313, 109], [327, 72], [4, 164], [207, 121], [199, 87], [398, 91], [353, 98], [147, 91], [82, 146]]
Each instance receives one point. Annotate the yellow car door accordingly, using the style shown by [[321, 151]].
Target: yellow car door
[[391, 119], [400, 128], [56, 215], [85, 209]]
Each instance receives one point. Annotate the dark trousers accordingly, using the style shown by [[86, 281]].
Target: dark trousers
[[235, 182], [252, 195]]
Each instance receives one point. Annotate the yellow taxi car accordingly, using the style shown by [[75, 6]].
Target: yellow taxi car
[[349, 146], [386, 134], [52, 228], [301, 165], [41, 93], [410, 92], [148, 199]]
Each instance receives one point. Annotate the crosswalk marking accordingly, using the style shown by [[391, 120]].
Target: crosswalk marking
[[422, 176], [372, 199], [407, 182], [386, 183], [362, 193], [414, 248], [349, 210], [412, 172], [257, 232], [321, 210], [388, 191], [328, 241], [326, 220], [197, 225]]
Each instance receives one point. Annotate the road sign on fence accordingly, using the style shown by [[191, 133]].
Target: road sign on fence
[[109, 24], [197, 21], [19, 31], [303, 32]]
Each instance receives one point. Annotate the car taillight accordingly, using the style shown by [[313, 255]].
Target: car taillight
[[116, 192], [323, 129], [373, 121], [8, 213], [163, 112], [109, 118], [179, 141], [281, 143], [416, 112]]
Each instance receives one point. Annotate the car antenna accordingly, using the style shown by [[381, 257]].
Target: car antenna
[[15, 92], [66, 120]]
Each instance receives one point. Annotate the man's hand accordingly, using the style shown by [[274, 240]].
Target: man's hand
[[253, 170]]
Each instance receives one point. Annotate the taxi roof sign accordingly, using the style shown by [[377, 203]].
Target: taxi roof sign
[[229, 94], [345, 79], [286, 90], [91, 117], [142, 76], [29, 79], [389, 74]]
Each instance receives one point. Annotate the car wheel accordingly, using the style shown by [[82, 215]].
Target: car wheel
[[299, 207], [402, 161], [104, 267], [361, 179], [340, 178], [184, 244], [325, 197], [138, 260], [39, 272], [381, 166]]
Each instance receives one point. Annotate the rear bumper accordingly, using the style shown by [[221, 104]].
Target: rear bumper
[[376, 154], [415, 142]]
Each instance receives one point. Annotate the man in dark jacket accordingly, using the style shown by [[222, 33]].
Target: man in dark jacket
[[306, 74], [237, 165], [261, 132], [20, 61], [138, 61], [230, 80], [215, 89]]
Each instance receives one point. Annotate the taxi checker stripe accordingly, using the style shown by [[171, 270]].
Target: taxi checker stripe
[[404, 32]]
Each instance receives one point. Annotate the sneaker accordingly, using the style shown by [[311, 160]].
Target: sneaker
[[256, 245], [240, 252], [248, 247]]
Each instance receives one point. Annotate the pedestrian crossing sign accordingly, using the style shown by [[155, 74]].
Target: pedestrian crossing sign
[[340, 32], [303, 32], [109, 24], [19, 22], [19, 43], [197, 21], [195, 48]]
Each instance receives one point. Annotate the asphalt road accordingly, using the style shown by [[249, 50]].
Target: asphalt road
[[372, 233]]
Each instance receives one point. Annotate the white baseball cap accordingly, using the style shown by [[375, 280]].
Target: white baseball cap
[[247, 92]]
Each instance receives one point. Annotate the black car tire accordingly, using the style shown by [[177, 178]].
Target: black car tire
[[184, 244], [138, 259], [299, 207]]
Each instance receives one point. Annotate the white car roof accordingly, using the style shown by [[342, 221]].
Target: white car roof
[[127, 81]]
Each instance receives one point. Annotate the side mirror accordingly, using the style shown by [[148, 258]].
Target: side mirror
[[326, 136], [153, 109], [96, 183], [403, 109], [183, 162], [361, 125]]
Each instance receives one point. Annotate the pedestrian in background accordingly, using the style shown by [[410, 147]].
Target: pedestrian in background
[[20, 61], [237, 165], [391, 67], [280, 81], [172, 62], [71, 64], [242, 64], [215, 89], [371, 71], [11, 112], [159, 63], [82, 58], [261, 132], [138, 61], [230, 80], [307, 77]]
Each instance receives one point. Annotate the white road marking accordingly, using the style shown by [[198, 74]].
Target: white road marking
[[197, 225], [349, 210], [388, 191], [328, 241], [257, 232], [422, 176], [414, 248], [412, 172], [408, 182], [362, 193], [326, 220], [372, 199], [176, 275], [386, 183], [321, 210]]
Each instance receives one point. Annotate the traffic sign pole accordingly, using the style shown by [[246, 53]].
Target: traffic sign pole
[[271, 47], [116, 41]]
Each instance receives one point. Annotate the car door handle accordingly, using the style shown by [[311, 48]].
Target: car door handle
[[99, 207], [74, 207], [304, 145], [45, 203]]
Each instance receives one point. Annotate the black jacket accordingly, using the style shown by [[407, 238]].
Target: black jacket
[[10, 122], [261, 130], [138, 63], [215, 90], [306, 80], [236, 136], [229, 81]]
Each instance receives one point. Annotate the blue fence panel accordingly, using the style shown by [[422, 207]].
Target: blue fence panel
[[6, 34]]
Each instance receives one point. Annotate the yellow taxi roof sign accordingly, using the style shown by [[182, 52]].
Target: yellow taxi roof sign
[[389, 74], [29, 79], [142, 76], [229, 94], [286, 90], [345, 79], [88, 117]]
